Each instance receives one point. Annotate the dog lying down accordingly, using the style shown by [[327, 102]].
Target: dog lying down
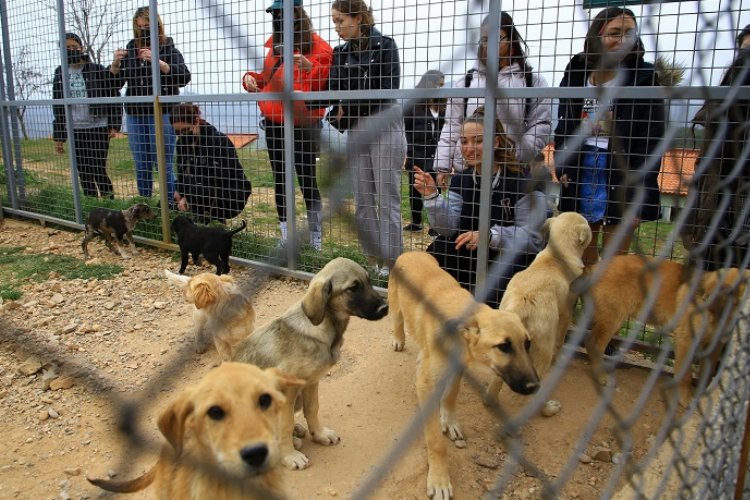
[[214, 243], [425, 298], [696, 310], [222, 311], [232, 419], [113, 226], [306, 340]]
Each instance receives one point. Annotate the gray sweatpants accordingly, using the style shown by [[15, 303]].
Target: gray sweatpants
[[375, 163]]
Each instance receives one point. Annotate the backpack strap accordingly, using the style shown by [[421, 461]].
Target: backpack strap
[[529, 102], [467, 83]]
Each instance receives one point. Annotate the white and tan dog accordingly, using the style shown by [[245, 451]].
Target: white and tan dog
[[425, 298], [223, 312]]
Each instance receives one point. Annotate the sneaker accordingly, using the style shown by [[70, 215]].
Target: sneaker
[[413, 227], [432, 233]]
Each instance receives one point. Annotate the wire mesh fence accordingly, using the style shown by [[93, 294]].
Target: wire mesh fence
[[370, 135]]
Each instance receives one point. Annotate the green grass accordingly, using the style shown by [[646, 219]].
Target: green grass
[[17, 268]]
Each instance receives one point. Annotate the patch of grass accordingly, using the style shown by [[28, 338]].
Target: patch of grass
[[17, 267]]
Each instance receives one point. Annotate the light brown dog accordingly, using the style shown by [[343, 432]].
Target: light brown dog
[[694, 306], [306, 342], [426, 299], [540, 294], [223, 312], [232, 418]]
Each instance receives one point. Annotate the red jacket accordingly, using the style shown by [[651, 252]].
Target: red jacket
[[321, 57]]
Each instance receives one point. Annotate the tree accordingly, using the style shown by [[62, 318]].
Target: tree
[[27, 80]]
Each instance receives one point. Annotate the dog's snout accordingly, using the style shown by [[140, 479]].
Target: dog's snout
[[383, 310], [254, 455], [532, 387]]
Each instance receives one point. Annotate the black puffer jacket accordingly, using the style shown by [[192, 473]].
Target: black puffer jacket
[[99, 83], [422, 134], [638, 128], [137, 74]]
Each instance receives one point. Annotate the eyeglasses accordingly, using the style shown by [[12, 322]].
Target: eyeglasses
[[485, 40], [617, 34]]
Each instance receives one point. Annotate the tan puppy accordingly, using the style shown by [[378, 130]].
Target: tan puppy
[[700, 307], [233, 419], [306, 342], [540, 294], [222, 311], [426, 299]]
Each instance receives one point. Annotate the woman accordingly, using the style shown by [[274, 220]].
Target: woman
[[422, 122], [527, 122], [312, 63], [132, 66], [613, 166], [210, 180], [368, 60], [518, 210], [93, 124]]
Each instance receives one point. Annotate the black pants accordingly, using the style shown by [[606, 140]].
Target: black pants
[[306, 150], [415, 197], [91, 150]]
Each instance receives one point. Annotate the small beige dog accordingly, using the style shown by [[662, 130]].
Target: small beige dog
[[425, 298], [222, 311], [621, 292], [540, 294], [306, 342], [232, 418]]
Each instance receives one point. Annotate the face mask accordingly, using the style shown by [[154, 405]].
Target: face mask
[[75, 56], [146, 36]]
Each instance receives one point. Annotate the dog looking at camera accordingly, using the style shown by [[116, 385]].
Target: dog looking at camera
[[222, 311], [232, 419], [214, 243], [113, 226]]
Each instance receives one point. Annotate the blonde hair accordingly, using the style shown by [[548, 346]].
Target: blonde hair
[[504, 153]]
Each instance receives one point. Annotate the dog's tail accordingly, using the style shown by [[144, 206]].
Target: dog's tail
[[130, 486], [242, 227]]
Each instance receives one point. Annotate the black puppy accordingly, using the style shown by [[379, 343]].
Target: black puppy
[[113, 225], [214, 243]]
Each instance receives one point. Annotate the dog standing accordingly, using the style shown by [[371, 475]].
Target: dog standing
[[223, 312], [628, 280], [540, 294], [232, 418], [425, 298], [306, 340], [214, 243], [113, 225]]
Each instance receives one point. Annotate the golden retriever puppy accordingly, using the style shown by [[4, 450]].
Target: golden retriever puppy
[[695, 307], [426, 299], [222, 311], [306, 342], [232, 418], [540, 294]]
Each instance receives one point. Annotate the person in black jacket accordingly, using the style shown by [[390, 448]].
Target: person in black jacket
[[211, 183], [93, 124], [608, 164], [368, 60], [132, 66], [422, 123]]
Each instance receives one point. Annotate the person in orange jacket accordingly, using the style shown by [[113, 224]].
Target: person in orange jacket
[[312, 63]]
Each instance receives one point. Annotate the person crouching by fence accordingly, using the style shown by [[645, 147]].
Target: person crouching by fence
[[211, 183], [518, 210]]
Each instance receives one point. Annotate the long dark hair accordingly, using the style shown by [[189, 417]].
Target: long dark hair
[[303, 30], [185, 112], [518, 47], [594, 49]]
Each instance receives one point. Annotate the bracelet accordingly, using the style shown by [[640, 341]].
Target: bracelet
[[431, 196]]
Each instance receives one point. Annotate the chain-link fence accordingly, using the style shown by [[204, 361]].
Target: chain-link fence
[[370, 136]]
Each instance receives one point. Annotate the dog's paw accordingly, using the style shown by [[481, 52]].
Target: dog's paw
[[551, 408], [398, 345], [299, 430], [297, 443], [325, 436], [452, 429], [296, 461], [439, 488]]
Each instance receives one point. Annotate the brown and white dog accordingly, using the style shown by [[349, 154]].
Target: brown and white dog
[[232, 418], [113, 225]]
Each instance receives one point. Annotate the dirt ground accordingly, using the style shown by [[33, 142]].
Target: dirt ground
[[100, 343]]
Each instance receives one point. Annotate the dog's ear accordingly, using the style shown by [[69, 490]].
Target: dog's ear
[[315, 301], [470, 332], [172, 421], [201, 294], [546, 226], [284, 381], [721, 287], [177, 279], [584, 235]]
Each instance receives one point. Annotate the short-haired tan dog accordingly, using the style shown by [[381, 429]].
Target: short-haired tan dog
[[223, 312], [540, 294], [425, 298], [232, 418], [621, 292]]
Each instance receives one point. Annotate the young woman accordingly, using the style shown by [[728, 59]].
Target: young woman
[[312, 63], [422, 122], [132, 66], [368, 60], [210, 180], [612, 166], [527, 122], [92, 123], [517, 212]]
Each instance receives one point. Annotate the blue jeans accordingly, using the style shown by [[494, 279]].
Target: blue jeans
[[142, 141], [594, 186]]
